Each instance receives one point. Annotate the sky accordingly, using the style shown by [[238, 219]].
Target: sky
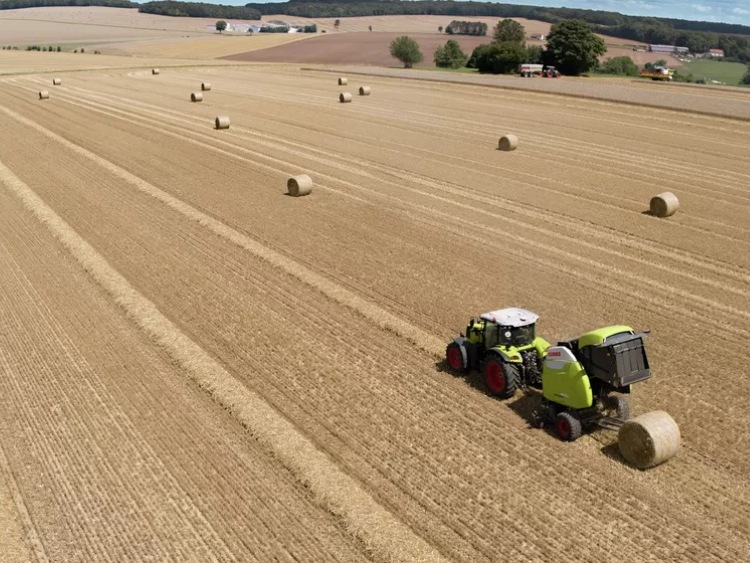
[[729, 11]]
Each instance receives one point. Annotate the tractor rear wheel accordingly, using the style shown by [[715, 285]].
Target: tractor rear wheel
[[454, 358], [619, 407], [501, 378], [568, 426]]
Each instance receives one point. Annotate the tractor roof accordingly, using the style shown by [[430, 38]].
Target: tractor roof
[[512, 316], [596, 337]]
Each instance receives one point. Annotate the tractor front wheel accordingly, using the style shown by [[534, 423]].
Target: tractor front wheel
[[454, 357], [568, 426], [501, 378]]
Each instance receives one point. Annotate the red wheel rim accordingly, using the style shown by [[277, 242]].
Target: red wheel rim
[[563, 428], [455, 358], [495, 377]]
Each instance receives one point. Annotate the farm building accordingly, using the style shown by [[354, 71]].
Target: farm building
[[538, 36], [667, 49], [715, 53]]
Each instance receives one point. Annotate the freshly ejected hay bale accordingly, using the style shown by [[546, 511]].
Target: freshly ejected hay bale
[[364, 90], [196, 97], [299, 185], [664, 204], [205, 86], [508, 143], [343, 81], [43, 95], [154, 71], [56, 82], [222, 122], [345, 97], [649, 439]]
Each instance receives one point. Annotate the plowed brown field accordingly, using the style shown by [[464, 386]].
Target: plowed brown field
[[195, 367], [353, 48]]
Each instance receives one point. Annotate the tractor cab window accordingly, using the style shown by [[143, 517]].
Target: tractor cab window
[[517, 336]]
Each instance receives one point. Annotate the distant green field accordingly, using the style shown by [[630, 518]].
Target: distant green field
[[729, 73]]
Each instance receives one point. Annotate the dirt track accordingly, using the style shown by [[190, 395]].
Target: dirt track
[[333, 310]]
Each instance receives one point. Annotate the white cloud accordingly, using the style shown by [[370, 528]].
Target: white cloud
[[640, 4], [740, 11], [701, 8]]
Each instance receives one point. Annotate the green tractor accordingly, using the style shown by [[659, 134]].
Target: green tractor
[[581, 379]]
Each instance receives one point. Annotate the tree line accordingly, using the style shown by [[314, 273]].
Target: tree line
[[199, 10], [572, 47], [457, 27], [18, 4], [734, 39]]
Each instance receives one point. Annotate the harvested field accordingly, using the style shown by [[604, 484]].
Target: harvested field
[[692, 98], [201, 47], [195, 366]]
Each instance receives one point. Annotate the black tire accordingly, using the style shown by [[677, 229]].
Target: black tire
[[454, 359], [619, 407], [500, 377], [568, 426]]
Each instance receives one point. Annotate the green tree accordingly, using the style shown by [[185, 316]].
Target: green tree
[[450, 56], [369, 27], [498, 58], [406, 50], [509, 30], [336, 24], [573, 48], [221, 25], [534, 54], [623, 66], [440, 29], [746, 78]]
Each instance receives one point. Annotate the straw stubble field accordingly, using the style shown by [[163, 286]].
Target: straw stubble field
[[172, 322]]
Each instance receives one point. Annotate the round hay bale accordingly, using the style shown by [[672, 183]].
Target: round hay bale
[[299, 185], [205, 86], [343, 81], [43, 95], [664, 204], [196, 97], [56, 82], [345, 97], [222, 122], [508, 143], [649, 439], [364, 90], [154, 71]]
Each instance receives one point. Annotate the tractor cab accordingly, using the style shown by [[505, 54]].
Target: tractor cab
[[509, 328]]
